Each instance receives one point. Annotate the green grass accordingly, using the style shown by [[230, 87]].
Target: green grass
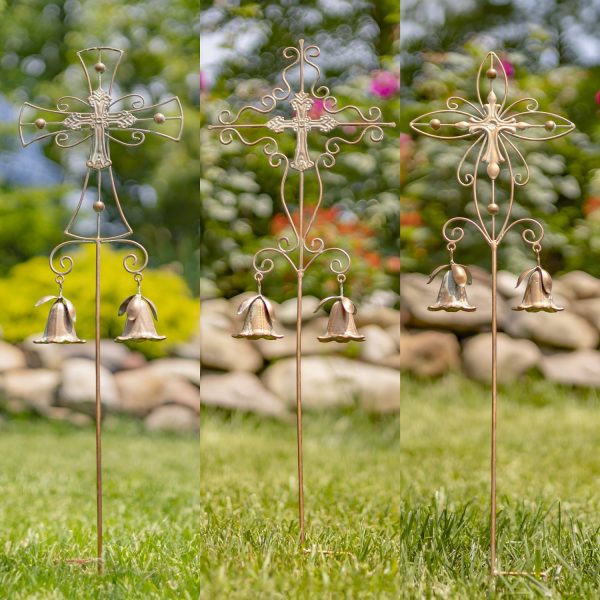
[[249, 508], [48, 513], [548, 489]]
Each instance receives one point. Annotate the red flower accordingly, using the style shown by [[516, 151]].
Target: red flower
[[508, 67], [591, 205], [411, 219]]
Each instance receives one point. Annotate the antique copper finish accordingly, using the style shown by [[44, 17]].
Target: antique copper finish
[[494, 127], [305, 248], [452, 296], [60, 327], [258, 323], [538, 294], [341, 326], [97, 120]]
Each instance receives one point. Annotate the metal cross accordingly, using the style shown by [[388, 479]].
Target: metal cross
[[301, 122], [100, 122]]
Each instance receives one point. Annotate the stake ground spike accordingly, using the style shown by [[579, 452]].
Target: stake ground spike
[[305, 250], [493, 125], [98, 121]]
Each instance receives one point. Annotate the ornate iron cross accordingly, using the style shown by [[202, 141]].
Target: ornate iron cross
[[102, 123], [341, 327]]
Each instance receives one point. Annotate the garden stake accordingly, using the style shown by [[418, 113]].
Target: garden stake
[[306, 249], [493, 124], [98, 123]]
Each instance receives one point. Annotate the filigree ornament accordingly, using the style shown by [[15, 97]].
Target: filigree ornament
[[493, 124]]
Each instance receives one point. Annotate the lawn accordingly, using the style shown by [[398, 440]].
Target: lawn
[[249, 507], [548, 489], [48, 512]]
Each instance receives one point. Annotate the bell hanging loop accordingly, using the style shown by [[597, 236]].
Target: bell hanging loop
[[341, 326], [452, 296], [538, 293], [60, 326], [141, 314]]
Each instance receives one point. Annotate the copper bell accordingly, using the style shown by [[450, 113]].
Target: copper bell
[[341, 326], [453, 291], [258, 323], [538, 294], [141, 314], [60, 327]]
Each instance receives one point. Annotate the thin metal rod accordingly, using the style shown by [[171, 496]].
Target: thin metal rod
[[299, 360], [493, 566], [98, 414]]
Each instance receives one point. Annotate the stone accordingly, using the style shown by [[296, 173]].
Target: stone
[[393, 361], [394, 333], [240, 390], [78, 388], [580, 368], [560, 330], [36, 387], [429, 353], [515, 357], [377, 345], [218, 350], [275, 349], [332, 381], [66, 415], [173, 418], [416, 295], [383, 316], [589, 309], [582, 285], [11, 357], [286, 313], [507, 282], [177, 367], [142, 390]]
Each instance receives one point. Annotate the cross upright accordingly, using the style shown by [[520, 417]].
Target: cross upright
[[99, 121], [302, 102]]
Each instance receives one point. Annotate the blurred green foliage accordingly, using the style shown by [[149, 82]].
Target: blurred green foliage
[[178, 311], [239, 190], [38, 60]]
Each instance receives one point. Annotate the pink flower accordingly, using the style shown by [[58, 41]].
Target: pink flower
[[508, 67], [384, 84], [317, 109], [597, 97], [203, 81]]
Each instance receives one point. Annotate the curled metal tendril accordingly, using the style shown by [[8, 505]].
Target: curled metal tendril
[[61, 139], [528, 234], [266, 264], [65, 262], [339, 266], [457, 232], [65, 107], [138, 137], [330, 102], [136, 104], [270, 148], [131, 260], [332, 146], [322, 91], [453, 103]]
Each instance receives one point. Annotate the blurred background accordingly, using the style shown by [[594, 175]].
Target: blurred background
[[550, 52], [241, 47], [40, 185]]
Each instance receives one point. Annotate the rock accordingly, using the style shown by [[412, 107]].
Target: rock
[[429, 353], [561, 330], [589, 309], [515, 357], [142, 390], [177, 367], [383, 316], [507, 285], [275, 349], [377, 345], [173, 418], [394, 333], [11, 357], [113, 356], [394, 361], [217, 306], [581, 368], [218, 350], [240, 390], [416, 296], [66, 415], [36, 387], [286, 313], [582, 285], [78, 389], [335, 381]]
